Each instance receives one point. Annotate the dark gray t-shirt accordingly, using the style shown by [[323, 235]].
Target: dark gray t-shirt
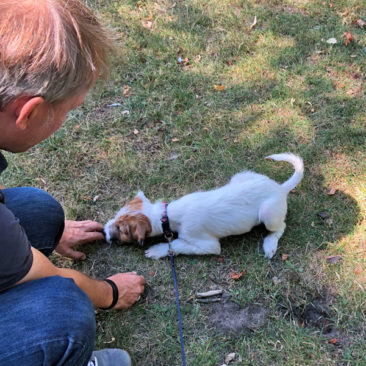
[[15, 250]]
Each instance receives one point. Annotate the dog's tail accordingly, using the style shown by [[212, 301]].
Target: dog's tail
[[297, 163]]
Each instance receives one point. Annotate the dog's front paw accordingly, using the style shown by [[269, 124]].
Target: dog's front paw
[[269, 253], [157, 251], [269, 247]]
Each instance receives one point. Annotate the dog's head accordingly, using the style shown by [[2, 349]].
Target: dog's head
[[130, 224]]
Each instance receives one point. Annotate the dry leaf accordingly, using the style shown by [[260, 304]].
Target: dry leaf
[[293, 101], [220, 259], [333, 259], [284, 256], [333, 341], [354, 91], [332, 191], [152, 274], [197, 59], [126, 90], [229, 357], [175, 139], [349, 38], [150, 17], [219, 87], [345, 13], [361, 23], [236, 276], [135, 131], [148, 24]]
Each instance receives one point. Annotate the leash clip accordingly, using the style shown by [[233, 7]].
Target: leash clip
[[167, 231], [169, 237]]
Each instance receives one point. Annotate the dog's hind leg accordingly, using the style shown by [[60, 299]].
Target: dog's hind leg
[[272, 216], [271, 241]]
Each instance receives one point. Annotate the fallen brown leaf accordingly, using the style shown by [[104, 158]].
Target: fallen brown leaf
[[197, 59], [345, 13], [236, 276], [219, 87], [361, 23], [349, 38], [333, 341], [332, 191], [126, 90], [284, 256], [220, 259], [148, 24], [354, 91]]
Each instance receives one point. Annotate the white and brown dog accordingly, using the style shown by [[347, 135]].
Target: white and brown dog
[[202, 218]]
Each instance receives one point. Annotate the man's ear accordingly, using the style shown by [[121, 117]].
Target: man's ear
[[24, 109]]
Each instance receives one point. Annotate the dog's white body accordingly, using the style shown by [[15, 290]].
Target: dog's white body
[[202, 218]]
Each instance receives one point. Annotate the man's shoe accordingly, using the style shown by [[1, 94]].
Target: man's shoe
[[110, 357]]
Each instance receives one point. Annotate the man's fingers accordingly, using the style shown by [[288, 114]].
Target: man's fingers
[[73, 254], [86, 225], [90, 236]]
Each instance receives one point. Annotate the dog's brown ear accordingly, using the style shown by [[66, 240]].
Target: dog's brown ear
[[141, 228], [123, 228]]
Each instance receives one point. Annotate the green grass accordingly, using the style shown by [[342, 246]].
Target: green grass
[[286, 90]]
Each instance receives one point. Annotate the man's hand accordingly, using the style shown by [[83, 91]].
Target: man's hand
[[130, 287], [77, 233]]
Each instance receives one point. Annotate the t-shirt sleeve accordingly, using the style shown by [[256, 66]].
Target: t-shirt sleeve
[[15, 250]]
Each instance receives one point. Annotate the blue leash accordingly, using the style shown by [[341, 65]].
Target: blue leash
[[169, 236], [178, 308]]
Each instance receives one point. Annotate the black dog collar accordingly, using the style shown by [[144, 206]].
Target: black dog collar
[[167, 231]]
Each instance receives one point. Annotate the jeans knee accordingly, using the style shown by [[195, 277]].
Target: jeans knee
[[41, 216], [57, 321], [76, 312]]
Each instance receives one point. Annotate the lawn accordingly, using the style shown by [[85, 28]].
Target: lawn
[[199, 91]]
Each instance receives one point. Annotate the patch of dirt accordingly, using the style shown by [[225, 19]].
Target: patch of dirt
[[317, 314], [229, 318]]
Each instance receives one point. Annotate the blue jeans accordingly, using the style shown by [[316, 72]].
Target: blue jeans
[[49, 321]]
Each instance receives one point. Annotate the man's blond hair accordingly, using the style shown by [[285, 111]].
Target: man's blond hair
[[49, 48]]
